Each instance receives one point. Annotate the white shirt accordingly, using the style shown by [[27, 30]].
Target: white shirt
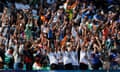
[[82, 57], [55, 18], [17, 59], [15, 49], [21, 49], [67, 58], [59, 57], [74, 33], [42, 51], [52, 58], [74, 56], [36, 67], [44, 29]]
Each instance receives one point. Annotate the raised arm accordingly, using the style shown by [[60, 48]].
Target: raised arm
[[98, 41]]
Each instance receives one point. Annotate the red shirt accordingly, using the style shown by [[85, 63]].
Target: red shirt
[[105, 32]]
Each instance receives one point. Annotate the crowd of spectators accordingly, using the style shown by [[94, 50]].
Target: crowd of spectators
[[59, 34]]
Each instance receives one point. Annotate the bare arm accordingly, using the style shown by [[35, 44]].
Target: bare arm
[[100, 45], [78, 46]]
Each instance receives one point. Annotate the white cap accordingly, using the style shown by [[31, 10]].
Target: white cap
[[61, 7], [68, 43]]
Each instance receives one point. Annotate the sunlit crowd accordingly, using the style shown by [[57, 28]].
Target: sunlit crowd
[[60, 35]]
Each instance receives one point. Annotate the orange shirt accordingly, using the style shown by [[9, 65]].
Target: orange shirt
[[71, 6], [64, 41], [43, 18]]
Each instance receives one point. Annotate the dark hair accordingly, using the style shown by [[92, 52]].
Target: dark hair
[[37, 59], [11, 48], [28, 44]]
